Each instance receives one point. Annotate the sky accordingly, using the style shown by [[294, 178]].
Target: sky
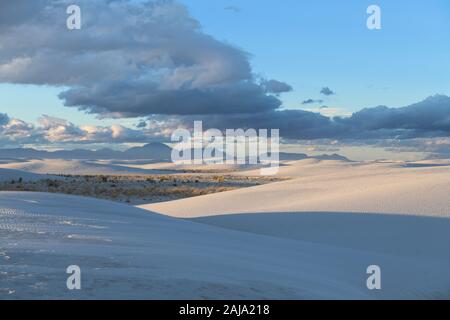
[[311, 44], [230, 62]]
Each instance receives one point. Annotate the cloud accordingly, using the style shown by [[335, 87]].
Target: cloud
[[58, 130], [141, 124], [327, 91], [234, 9], [129, 59], [292, 123], [426, 119], [275, 86], [138, 99], [23, 10], [430, 117], [331, 112], [15, 131], [4, 119], [312, 101], [51, 130], [323, 149]]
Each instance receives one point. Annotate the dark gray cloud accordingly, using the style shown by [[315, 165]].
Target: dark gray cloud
[[4, 119], [129, 59], [312, 101], [138, 99], [327, 91], [428, 118], [142, 124], [275, 86], [293, 124]]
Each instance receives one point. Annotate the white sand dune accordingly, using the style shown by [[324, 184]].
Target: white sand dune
[[74, 167], [330, 186], [391, 208], [125, 252], [9, 174], [312, 236], [190, 167]]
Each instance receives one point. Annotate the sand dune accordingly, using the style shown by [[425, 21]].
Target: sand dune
[[331, 186], [9, 174], [74, 167], [309, 237], [125, 252], [388, 209], [425, 237], [180, 167]]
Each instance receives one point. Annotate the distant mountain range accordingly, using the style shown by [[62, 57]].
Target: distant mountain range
[[300, 156], [151, 151], [333, 156]]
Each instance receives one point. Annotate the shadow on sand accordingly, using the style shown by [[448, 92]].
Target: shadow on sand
[[402, 235]]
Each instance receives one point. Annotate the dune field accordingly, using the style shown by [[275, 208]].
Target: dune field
[[311, 236]]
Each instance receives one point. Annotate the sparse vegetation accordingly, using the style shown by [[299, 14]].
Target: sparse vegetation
[[136, 189]]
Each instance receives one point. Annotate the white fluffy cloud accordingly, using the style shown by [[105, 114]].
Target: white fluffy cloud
[[51, 130]]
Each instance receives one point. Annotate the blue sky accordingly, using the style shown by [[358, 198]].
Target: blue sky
[[309, 44], [153, 70]]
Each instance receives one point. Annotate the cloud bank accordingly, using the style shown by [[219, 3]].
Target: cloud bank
[[429, 118], [50, 131]]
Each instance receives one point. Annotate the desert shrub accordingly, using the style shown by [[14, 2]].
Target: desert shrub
[[219, 179], [52, 183]]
